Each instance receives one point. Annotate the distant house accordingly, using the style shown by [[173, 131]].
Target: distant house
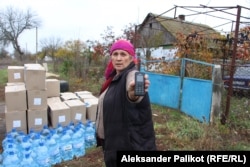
[[161, 31]]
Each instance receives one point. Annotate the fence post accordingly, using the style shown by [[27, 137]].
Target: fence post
[[225, 114]]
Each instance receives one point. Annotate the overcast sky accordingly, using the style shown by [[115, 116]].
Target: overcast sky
[[88, 19]]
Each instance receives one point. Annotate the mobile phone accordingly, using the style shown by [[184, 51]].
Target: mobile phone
[[139, 84]]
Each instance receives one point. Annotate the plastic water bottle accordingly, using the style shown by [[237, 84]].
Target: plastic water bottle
[[54, 135], [35, 144], [36, 140], [19, 138], [7, 138], [59, 129], [13, 133], [54, 150], [28, 161], [42, 157], [72, 126], [11, 148], [90, 139], [78, 143], [80, 125], [32, 134], [45, 132], [11, 160], [25, 146], [69, 130], [66, 146], [6, 141]]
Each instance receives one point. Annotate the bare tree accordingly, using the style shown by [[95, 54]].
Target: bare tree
[[49, 48], [108, 38], [13, 23], [129, 33]]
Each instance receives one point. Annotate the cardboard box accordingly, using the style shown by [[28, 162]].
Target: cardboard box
[[83, 93], [27, 65], [91, 108], [34, 77], [59, 113], [53, 100], [83, 97], [15, 73], [53, 87], [78, 110], [15, 98], [37, 99], [15, 83], [68, 96], [16, 120], [37, 119]]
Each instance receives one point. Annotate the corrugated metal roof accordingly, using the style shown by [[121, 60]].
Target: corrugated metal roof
[[174, 25]]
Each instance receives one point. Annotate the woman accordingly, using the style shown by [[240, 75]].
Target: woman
[[124, 121]]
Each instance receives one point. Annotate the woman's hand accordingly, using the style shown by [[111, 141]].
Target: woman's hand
[[131, 88]]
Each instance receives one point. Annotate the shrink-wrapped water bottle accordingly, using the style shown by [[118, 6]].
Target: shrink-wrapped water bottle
[[9, 143], [54, 150], [19, 138], [32, 134], [59, 129], [81, 126], [36, 140], [11, 147], [28, 161], [72, 126], [13, 133], [45, 132], [11, 160], [66, 146], [78, 143], [6, 140], [25, 146], [90, 139], [54, 135], [42, 157], [35, 144], [69, 130]]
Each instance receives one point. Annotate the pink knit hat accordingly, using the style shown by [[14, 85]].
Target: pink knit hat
[[121, 44]]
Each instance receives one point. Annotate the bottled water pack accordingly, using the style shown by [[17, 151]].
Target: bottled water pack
[[47, 147]]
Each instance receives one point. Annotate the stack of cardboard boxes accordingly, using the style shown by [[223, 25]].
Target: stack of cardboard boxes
[[25, 98], [15, 100], [57, 111], [33, 101], [34, 79]]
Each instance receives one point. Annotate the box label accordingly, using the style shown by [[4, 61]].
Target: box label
[[38, 121], [16, 124], [78, 116], [37, 101], [61, 118], [17, 75]]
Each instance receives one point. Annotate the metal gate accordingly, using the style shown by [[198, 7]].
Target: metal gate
[[189, 94]]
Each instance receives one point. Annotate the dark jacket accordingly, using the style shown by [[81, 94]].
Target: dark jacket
[[127, 125]]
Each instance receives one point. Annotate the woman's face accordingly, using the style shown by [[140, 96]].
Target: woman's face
[[120, 60]]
